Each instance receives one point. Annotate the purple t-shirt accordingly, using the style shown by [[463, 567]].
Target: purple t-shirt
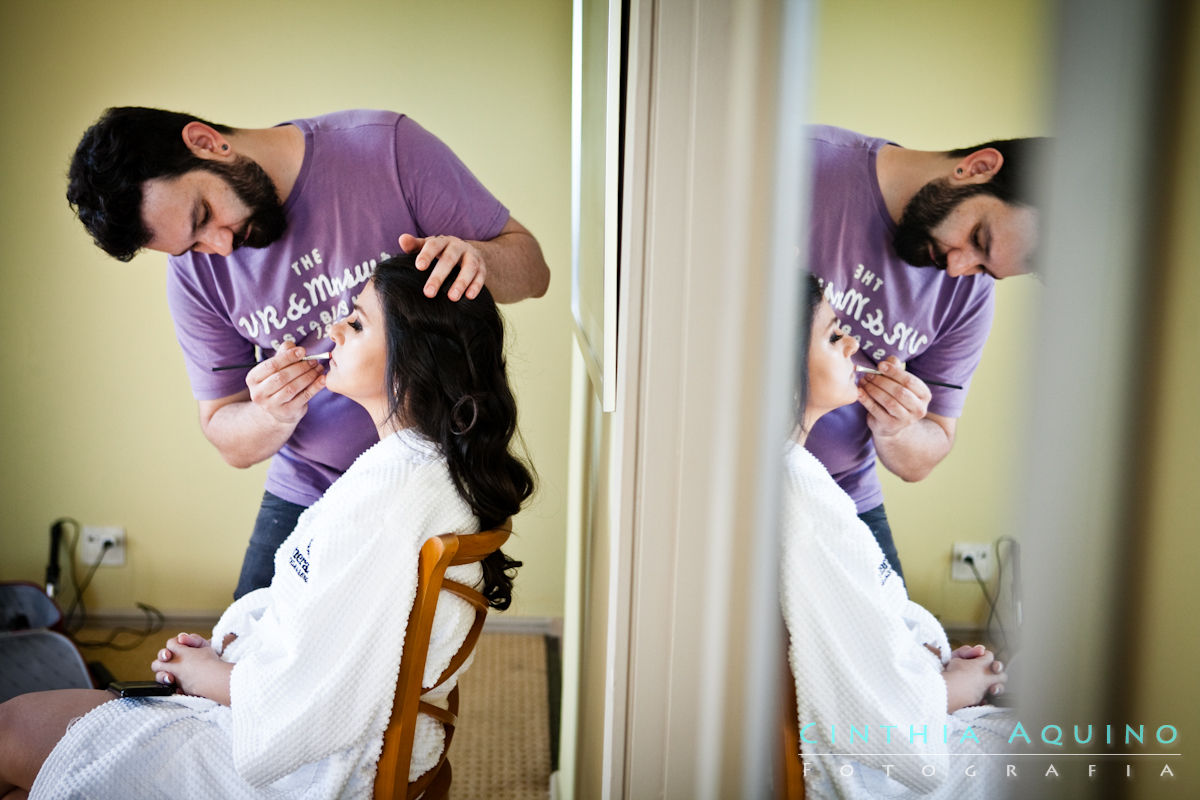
[[366, 178], [934, 323]]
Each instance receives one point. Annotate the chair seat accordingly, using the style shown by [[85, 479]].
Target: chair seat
[[38, 660]]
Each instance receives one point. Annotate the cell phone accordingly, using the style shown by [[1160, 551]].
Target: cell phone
[[140, 688]]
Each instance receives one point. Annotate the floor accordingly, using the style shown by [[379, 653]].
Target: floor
[[502, 747]]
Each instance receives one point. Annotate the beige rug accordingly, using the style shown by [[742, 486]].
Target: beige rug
[[501, 749]]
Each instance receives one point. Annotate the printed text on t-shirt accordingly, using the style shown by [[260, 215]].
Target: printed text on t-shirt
[[301, 311], [851, 304]]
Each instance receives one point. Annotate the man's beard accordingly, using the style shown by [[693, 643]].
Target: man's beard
[[932, 203], [267, 221]]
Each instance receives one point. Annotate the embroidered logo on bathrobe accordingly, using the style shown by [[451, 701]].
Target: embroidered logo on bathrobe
[[299, 561], [885, 571]]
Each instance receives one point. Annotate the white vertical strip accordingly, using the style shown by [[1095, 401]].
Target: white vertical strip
[[701, 253], [612, 167], [576, 147], [1078, 485], [789, 237], [572, 633]]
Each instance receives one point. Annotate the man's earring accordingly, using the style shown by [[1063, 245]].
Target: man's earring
[[958, 171], [226, 147]]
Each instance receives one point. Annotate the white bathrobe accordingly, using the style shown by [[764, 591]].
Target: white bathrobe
[[858, 656], [317, 656]]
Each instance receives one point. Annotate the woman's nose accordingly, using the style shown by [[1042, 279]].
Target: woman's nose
[[851, 345], [335, 332]]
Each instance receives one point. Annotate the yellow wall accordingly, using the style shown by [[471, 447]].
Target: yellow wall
[[96, 417], [935, 75]]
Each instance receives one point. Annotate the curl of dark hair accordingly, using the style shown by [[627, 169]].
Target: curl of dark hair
[[445, 362], [125, 148]]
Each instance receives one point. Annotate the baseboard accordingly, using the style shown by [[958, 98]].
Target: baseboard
[[541, 626], [965, 632], [200, 621], [203, 621]]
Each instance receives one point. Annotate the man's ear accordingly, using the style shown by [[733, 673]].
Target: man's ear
[[206, 142], [979, 167]]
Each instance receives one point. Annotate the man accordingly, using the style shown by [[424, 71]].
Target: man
[[878, 212], [271, 233]]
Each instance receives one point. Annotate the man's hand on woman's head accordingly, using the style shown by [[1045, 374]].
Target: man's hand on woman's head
[[449, 251]]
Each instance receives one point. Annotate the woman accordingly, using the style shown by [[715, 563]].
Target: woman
[[291, 697], [862, 654]]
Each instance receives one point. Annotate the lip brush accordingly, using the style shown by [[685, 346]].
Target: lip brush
[[314, 357], [860, 368]]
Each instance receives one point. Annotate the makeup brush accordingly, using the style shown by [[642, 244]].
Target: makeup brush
[[873, 371], [313, 357]]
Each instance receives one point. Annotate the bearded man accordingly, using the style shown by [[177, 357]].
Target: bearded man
[[270, 233], [881, 212]]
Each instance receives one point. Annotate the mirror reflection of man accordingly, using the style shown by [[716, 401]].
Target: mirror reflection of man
[[271, 233], [880, 211]]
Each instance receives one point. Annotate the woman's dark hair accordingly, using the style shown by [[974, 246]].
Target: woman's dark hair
[[445, 362], [125, 148], [811, 294]]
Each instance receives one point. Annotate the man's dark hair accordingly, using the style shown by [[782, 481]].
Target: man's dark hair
[[1015, 182], [125, 148]]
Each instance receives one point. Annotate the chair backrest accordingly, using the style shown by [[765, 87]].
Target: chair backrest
[[438, 553]]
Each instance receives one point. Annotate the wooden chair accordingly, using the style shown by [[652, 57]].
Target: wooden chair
[[790, 776], [438, 553]]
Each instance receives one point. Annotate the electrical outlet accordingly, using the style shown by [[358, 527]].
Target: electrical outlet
[[91, 544], [981, 555]]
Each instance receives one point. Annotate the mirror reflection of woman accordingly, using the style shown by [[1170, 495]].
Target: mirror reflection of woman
[[862, 654], [292, 695]]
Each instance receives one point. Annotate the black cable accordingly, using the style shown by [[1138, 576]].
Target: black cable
[[1014, 550], [154, 624], [991, 603], [993, 613], [53, 566], [154, 618], [79, 590], [58, 540], [72, 550], [1014, 554]]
